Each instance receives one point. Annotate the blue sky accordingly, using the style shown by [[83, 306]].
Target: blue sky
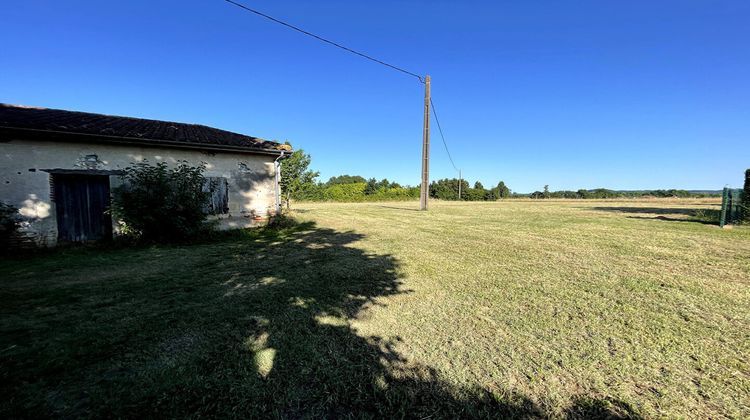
[[574, 94]]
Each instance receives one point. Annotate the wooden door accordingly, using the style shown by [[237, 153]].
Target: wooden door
[[82, 202]]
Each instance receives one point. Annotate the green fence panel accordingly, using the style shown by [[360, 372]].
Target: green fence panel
[[731, 206]]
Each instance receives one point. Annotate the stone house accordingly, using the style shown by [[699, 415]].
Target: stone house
[[59, 168]]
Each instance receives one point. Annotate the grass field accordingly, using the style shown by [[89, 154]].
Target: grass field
[[530, 309]]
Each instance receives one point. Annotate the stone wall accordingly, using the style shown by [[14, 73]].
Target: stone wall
[[25, 178]]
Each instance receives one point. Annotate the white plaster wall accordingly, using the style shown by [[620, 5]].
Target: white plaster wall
[[24, 184]]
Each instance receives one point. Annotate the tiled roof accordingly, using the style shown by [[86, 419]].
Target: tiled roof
[[108, 128]]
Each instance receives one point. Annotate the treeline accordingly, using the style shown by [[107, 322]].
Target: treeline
[[357, 188], [601, 193], [298, 182], [448, 189]]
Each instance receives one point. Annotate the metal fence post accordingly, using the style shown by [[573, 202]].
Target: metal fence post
[[724, 200]]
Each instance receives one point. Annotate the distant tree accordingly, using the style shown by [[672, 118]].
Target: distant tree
[[474, 194], [447, 189], [746, 198], [371, 187], [384, 184], [345, 179], [502, 190], [465, 187], [491, 195], [296, 178], [602, 193], [545, 194], [582, 193]]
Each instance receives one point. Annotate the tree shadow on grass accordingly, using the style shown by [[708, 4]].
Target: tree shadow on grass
[[585, 407], [257, 325], [399, 208], [648, 210], [674, 219], [694, 215]]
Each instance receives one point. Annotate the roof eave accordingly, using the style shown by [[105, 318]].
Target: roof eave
[[37, 134]]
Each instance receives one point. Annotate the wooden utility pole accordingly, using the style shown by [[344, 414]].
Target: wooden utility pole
[[425, 191], [459, 185]]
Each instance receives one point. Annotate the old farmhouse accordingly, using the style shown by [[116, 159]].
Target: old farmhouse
[[58, 168]]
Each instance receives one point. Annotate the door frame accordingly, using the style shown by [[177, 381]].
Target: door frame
[[59, 200]]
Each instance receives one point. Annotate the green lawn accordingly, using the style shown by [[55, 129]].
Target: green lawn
[[523, 308]]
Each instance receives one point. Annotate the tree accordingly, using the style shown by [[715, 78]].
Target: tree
[[545, 194], [502, 190], [296, 178], [345, 179], [371, 187], [447, 189], [464, 188], [479, 193]]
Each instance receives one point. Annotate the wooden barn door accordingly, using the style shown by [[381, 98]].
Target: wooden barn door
[[81, 203]]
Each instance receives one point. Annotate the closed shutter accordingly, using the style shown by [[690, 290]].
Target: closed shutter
[[218, 195]]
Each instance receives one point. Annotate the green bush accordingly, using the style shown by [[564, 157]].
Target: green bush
[[10, 221], [345, 192], [159, 204], [474, 194]]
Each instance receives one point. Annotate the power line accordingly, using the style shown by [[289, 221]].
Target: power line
[[440, 129], [320, 38], [425, 81]]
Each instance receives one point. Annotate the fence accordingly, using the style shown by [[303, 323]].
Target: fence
[[731, 206]]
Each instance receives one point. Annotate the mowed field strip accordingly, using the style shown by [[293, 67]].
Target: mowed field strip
[[621, 300], [529, 308]]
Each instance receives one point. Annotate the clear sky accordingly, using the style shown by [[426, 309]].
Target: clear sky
[[574, 94]]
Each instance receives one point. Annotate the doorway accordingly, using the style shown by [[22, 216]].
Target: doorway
[[82, 202]]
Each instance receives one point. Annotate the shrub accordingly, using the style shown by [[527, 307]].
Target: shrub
[[282, 221], [10, 220], [345, 192], [474, 194], [159, 204]]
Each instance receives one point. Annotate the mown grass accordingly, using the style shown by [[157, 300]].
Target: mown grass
[[516, 308]]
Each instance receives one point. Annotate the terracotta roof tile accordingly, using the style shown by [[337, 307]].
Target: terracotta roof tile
[[137, 129]]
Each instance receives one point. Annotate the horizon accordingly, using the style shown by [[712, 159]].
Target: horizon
[[319, 180], [635, 96]]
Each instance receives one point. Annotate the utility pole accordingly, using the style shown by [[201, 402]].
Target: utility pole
[[459, 185], [425, 191]]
